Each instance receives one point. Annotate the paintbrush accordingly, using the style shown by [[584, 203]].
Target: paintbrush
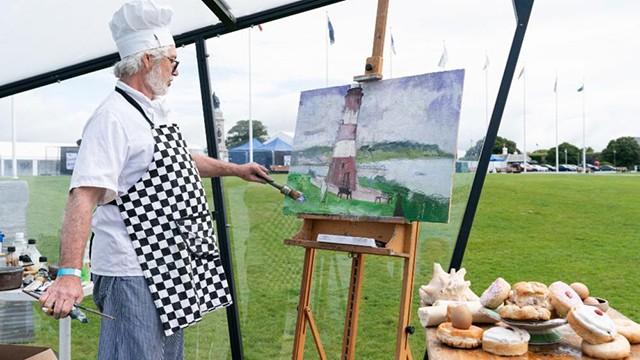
[[75, 312], [286, 190]]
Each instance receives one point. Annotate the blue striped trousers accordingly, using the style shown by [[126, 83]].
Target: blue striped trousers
[[136, 333]]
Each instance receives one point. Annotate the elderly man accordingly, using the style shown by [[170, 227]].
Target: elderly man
[[155, 262]]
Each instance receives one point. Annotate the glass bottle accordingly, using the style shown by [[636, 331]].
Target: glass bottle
[[12, 256]]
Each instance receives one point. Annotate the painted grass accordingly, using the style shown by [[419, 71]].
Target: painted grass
[[528, 227]]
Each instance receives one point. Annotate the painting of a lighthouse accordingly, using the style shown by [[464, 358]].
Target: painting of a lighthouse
[[383, 148]]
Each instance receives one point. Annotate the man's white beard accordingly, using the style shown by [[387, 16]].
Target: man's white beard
[[155, 82]]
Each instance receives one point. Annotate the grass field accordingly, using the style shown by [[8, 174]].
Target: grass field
[[528, 227]]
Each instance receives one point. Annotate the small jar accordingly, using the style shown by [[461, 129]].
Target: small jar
[[12, 257]]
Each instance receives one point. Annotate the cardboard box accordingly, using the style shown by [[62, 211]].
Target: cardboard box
[[21, 352]]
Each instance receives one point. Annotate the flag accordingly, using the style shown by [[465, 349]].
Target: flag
[[555, 85], [393, 44], [486, 62], [581, 88], [443, 58], [332, 38], [521, 73]]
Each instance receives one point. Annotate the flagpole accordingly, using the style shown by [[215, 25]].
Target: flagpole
[[524, 119], [584, 132], [391, 53], [250, 105], [486, 89], [14, 161], [555, 90], [326, 53]]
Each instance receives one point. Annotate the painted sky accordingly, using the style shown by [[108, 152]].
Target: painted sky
[[422, 109]]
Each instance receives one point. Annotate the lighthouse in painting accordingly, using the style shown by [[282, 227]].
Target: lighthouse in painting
[[342, 170]]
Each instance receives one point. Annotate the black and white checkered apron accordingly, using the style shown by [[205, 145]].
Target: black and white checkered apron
[[168, 220]]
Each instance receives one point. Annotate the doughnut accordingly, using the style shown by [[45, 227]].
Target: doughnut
[[592, 324], [629, 329], [495, 294], [619, 348], [459, 338], [563, 298], [505, 341]]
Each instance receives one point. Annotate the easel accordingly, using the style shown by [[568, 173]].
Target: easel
[[400, 238]]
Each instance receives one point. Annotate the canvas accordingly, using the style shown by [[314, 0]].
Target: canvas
[[382, 148]]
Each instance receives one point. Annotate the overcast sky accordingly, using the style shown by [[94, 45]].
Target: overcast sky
[[594, 41]]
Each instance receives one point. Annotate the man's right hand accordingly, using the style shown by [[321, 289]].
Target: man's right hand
[[62, 295]]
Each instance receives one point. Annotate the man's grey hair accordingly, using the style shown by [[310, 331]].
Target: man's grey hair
[[133, 63]]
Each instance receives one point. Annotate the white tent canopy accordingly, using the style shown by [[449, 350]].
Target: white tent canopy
[[78, 37]]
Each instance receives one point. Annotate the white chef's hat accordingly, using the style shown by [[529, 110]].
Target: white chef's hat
[[141, 25]]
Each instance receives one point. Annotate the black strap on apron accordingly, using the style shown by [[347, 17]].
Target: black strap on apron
[[135, 104]]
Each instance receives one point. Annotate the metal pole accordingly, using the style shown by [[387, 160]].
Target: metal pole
[[584, 133], [523, 11], [233, 320], [326, 51], [14, 161], [524, 120], [557, 131], [486, 94], [250, 105]]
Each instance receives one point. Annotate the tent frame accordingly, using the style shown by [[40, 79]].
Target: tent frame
[[522, 10]]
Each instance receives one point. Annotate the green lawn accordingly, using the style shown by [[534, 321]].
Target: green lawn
[[528, 227]]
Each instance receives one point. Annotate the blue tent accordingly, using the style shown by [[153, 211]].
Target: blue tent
[[240, 154], [280, 151]]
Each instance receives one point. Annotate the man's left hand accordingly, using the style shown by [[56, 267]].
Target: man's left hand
[[253, 172]]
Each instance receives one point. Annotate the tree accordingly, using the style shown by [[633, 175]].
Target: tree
[[573, 154], [239, 133], [473, 153], [502, 142], [626, 151]]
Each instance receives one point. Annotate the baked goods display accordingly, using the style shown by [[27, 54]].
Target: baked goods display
[[505, 341], [619, 348], [592, 324], [563, 298], [525, 312]]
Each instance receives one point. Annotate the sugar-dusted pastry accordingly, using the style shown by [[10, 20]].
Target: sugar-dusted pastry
[[505, 341], [459, 338], [592, 324], [629, 329], [446, 286], [530, 293], [563, 298], [581, 289], [495, 294], [619, 348], [525, 313]]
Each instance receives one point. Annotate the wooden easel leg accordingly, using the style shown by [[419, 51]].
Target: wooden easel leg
[[403, 352], [316, 334], [303, 305], [353, 304]]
